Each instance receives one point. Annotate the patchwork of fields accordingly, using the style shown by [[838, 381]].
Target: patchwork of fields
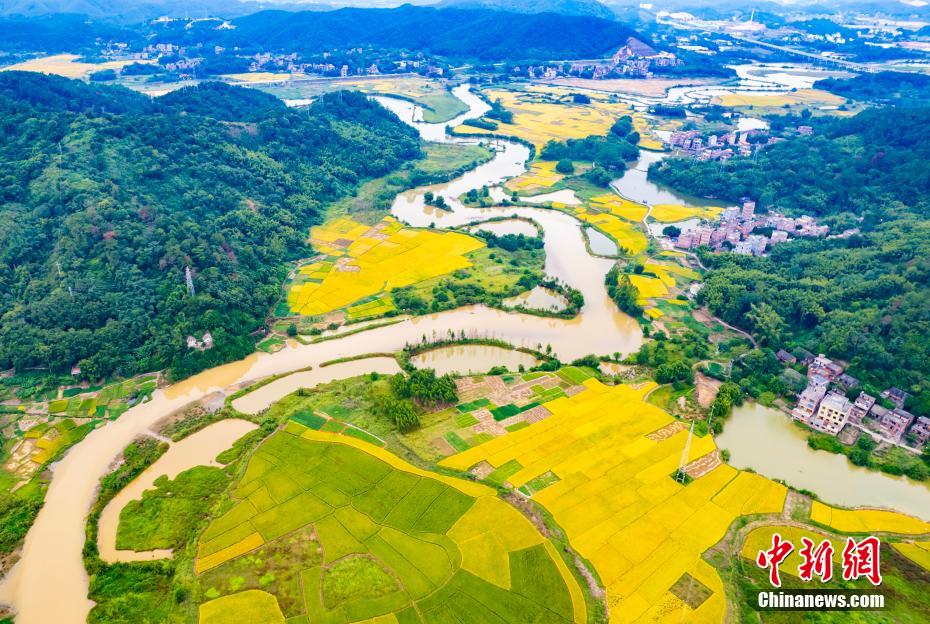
[[326, 528], [362, 263], [542, 114], [603, 465]]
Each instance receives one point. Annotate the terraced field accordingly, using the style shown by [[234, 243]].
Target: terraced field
[[603, 465], [326, 528]]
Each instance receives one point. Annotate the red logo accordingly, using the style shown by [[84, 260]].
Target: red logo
[[860, 559], [773, 557]]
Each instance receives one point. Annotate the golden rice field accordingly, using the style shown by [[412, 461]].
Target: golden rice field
[[800, 97], [649, 287], [542, 114], [540, 175], [612, 456], [66, 65], [252, 605], [918, 552], [628, 236], [366, 261], [761, 539], [867, 520], [620, 206], [672, 213]]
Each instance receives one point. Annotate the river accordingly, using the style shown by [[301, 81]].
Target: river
[[49, 583], [197, 449], [765, 439]]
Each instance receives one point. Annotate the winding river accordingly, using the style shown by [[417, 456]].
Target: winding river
[[49, 583]]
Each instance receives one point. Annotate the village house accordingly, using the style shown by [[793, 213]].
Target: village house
[[896, 396], [920, 430], [205, 342], [785, 358], [824, 367], [861, 408], [809, 399], [894, 423], [832, 414]]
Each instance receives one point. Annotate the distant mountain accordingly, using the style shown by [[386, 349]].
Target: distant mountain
[[480, 34], [137, 11], [591, 8], [57, 33]]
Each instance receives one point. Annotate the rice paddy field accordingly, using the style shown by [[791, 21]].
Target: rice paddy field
[[325, 528], [917, 552], [66, 65], [672, 213], [800, 97], [438, 103], [866, 520], [659, 280], [543, 113], [603, 465], [491, 406], [360, 264], [539, 176]]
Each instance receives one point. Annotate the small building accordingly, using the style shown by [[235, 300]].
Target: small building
[[896, 396], [861, 408], [785, 357], [894, 423], [848, 382], [805, 357], [920, 430], [808, 402], [832, 413], [824, 367]]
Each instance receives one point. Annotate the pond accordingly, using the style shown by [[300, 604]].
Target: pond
[[635, 185], [539, 298], [472, 359], [600, 243], [765, 439]]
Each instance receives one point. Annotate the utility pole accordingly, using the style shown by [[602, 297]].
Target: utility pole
[[680, 475], [189, 279]]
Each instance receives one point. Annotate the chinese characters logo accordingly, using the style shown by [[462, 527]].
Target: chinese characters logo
[[859, 559]]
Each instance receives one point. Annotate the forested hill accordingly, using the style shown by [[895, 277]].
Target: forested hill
[[106, 197], [863, 298], [460, 33]]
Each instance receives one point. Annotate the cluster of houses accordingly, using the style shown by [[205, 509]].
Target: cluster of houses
[[634, 59], [722, 147], [824, 405], [734, 231]]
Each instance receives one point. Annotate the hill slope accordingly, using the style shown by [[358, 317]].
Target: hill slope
[[140, 192], [459, 33]]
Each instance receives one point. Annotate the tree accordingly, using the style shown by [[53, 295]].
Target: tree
[[767, 324], [677, 371], [565, 166], [671, 231], [622, 291]]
